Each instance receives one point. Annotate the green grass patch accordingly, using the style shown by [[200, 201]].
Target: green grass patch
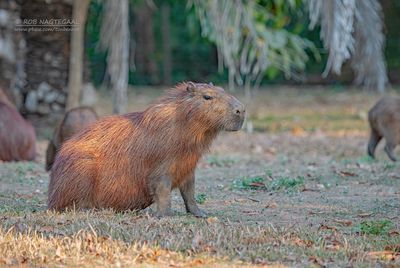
[[201, 198], [378, 227], [278, 184], [287, 184], [249, 183]]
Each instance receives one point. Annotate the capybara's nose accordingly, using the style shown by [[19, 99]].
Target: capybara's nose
[[238, 108], [240, 111]]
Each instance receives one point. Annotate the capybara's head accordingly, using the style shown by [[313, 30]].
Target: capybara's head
[[210, 106]]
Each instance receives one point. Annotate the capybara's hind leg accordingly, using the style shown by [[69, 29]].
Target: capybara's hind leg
[[50, 155], [374, 139], [391, 143], [389, 149], [187, 192], [72, 187]]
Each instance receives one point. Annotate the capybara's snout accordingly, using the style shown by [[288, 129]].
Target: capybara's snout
[[237, 115]]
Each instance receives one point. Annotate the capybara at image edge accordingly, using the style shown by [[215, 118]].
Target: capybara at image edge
[[128, 162], [17, 136], [384, 120], [72, 122]]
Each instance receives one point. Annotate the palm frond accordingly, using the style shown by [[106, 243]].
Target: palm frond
[[246, 46]]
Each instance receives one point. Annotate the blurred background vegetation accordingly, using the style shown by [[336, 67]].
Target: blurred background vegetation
[[238, 43], [194, 57]]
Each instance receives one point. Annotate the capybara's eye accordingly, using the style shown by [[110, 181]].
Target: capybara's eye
[[206, 97]]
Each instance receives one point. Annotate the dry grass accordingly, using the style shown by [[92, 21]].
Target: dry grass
[[102, 238], [308, 197]]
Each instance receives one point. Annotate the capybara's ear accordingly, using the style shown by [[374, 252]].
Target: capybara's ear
[[190, 87], [211, 84]]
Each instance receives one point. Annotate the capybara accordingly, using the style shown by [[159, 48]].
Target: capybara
[[17, 136], [127, 162], [73, 121], [384, 120]]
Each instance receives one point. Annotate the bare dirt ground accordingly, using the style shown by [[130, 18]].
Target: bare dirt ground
[[298, 191]]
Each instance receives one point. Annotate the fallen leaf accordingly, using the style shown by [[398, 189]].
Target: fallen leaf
[[212, 219], [271, 205], [385, 254], [257, 184], [316, 212], [343, 222], [253, 199], [394, 233], [251, 212], [326, 227], [310, 190], [316, 260], [364, 215], [347, 173], [298, 131], [395, 248], [46, 229], [334, 245]]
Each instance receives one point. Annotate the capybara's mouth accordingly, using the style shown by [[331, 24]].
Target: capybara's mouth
[[235, 125]]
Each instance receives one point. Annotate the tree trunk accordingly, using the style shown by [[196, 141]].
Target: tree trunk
[[145, 43], [165, 29], [79, 14], [115, 38]]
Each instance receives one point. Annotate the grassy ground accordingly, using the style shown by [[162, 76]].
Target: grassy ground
[[298, 191]]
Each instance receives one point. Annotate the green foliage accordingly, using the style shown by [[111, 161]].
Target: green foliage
[[378, 227], [96, 57], [249, 183], [201, 198], [281, 24], [287, 184]]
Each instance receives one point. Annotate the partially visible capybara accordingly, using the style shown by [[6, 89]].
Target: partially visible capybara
[[129, 161], [17, 136], [384, 120], [73, 121], [4, 99]]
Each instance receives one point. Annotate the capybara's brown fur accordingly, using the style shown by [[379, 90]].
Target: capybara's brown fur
[[384, 120], [129, 161], [17, 136], [73, 121]]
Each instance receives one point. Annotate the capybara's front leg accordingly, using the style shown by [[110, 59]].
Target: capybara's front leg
[[162, 197], [187, 192]]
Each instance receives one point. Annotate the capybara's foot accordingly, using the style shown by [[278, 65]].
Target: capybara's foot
[[199, 213], [164, 213], [390, 152]]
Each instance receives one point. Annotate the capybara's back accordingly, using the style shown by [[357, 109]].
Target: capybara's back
[[384, 120], [73, 121], [130, 161], [17, 136]]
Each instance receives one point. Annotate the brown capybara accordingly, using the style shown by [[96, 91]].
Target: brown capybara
[[127, 162], [17, 136], [73, 121], [384, 120]]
